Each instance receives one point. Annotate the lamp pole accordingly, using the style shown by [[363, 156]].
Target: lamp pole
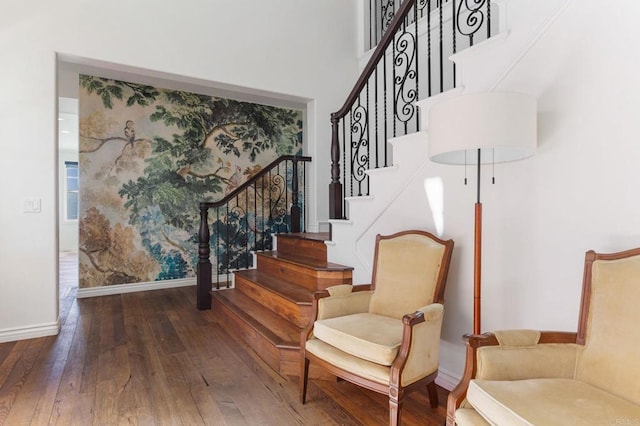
[[477, 256]]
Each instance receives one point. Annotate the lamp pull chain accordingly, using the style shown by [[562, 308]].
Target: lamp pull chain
[[493, 166], [465, 166]]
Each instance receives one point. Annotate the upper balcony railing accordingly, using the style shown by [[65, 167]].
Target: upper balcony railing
[[413, 41]]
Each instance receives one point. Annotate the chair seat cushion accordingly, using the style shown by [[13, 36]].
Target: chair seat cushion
[[372, 337], [547, 402], [358, 366]]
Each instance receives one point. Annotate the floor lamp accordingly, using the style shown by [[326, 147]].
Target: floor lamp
[[476, 129]]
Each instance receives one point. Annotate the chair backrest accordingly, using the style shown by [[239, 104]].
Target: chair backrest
[[409, 271], [610, 323]]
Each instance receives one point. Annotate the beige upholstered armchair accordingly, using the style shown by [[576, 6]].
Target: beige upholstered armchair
[[384, 336], [592, 377]]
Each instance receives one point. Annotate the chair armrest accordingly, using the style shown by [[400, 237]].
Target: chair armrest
[[419, 352], [540, 360], [327, 306], [552, 354], [338, 301]]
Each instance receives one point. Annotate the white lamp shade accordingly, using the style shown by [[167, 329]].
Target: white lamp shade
[[502, 125]]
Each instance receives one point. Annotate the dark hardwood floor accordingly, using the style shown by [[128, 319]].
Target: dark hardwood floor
[[152, 358]]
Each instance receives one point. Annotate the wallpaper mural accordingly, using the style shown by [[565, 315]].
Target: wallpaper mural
[[148, 156]]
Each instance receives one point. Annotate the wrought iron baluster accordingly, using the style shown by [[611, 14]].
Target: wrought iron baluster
[[441, 27], [415, 55], [368, 138], [371, 20], [489, 19], [227, 244], [384, 91], [247, 230], [474, 19], [454, 49], [359, 145], [429, 48], [255, 217], [304, 196], [375, 115], [218, 248], [295, 209], [395, 104], [405, 62], [343, 203]]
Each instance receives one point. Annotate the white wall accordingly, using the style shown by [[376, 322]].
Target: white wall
[[301, 48]]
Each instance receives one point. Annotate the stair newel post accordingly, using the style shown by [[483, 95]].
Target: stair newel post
[[295, 207], [335, 187], [204, 263]]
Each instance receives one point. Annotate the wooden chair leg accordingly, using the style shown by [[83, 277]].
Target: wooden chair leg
[[395, 406], [304, 377], [433, 394]]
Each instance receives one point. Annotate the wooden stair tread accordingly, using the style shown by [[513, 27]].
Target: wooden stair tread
[[316, 236], [280, 332], [292, 292], [305, 262]]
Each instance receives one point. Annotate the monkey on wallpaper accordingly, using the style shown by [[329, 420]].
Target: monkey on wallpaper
[[129, 132]]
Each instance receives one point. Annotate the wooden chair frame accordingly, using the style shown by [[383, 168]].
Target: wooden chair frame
[[473, 342], [394, 389]]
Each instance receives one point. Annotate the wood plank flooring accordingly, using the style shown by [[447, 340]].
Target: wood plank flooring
[[151, 358]]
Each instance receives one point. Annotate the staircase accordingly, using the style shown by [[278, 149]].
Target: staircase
[[395, 197], [270, 306]]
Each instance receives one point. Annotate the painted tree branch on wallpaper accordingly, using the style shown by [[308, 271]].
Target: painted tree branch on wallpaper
[[148, 156]]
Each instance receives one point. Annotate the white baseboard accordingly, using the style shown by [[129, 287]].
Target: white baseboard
[[130, 288], [447, 380], [31, 332]]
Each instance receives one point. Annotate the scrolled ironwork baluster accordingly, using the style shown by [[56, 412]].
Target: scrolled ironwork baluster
[[387, 13], [405, 77], [420, 6], [474, 19], [359, 145]]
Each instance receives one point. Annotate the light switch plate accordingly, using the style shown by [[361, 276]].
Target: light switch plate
[[32, 205]]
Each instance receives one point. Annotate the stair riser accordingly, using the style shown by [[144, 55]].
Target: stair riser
[[299, 315], [236, 327], [316, 250], [285, 361], [308, 278]]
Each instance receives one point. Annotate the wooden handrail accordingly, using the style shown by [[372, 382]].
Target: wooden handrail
[[253, 179], [378, 53]]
